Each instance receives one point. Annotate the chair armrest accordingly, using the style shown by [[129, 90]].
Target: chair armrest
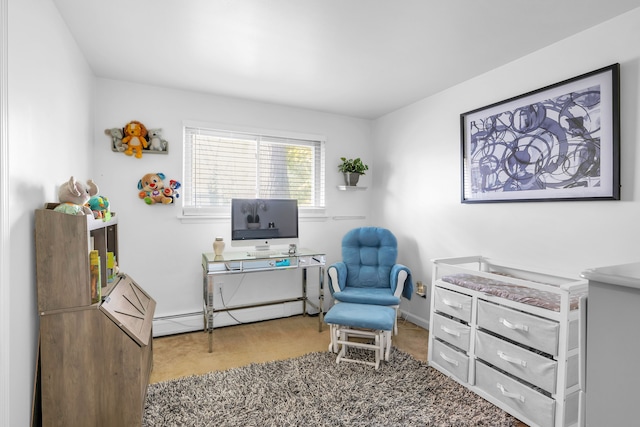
[[401, 282], [337, 273]]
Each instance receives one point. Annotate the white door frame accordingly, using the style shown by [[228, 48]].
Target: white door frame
[[5, 309]]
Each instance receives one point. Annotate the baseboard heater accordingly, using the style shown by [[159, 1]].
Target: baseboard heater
[[194, 321]]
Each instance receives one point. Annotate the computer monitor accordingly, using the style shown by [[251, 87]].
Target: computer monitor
[[264, 222]]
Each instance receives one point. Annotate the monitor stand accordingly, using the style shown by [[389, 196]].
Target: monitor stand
[[263, 251]]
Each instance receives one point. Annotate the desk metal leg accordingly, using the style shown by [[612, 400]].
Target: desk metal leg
[[320, 297], [304, 291], [207, 282]]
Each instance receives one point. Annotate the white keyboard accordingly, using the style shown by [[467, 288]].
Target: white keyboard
[[265, 254]]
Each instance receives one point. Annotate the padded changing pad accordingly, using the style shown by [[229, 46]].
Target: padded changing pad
[[523, 294]]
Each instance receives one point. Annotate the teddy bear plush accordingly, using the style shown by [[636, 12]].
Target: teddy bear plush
[[74, 195], [135, 138], [156, 143], [152, 189], [116, 139]]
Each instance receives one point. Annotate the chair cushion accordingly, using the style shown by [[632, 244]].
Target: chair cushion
[[376, 296], [361, 316], [369, 254]]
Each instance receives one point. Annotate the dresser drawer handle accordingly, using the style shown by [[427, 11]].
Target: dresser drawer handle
[[450, 331], [451, 304], [510, 325], [510, 359], [448, 359], [505, 393]]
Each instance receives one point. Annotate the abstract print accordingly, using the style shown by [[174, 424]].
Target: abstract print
[[546, 145]]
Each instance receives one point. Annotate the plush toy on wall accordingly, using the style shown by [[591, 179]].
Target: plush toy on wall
[[174, 185], [153, 190], [99, 205], [135, 138], [156, 143], [116, 139], [74, 195]]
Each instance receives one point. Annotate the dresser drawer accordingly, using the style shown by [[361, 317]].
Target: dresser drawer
[[451, 331], [522, 363], [453, 361], [534, 405], [532, 331], [453, 304]]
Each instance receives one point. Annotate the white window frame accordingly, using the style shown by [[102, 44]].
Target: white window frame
[[223, 212]]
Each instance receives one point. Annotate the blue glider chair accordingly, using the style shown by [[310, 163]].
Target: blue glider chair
[[368, 273]]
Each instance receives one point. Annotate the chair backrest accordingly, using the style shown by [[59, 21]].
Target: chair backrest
[[369, 254]]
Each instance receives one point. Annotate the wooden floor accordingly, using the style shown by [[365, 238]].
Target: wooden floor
[[234, 346]]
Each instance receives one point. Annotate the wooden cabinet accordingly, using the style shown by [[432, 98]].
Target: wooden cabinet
[[95, 358]]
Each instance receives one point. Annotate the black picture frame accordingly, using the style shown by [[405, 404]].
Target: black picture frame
[[557, 143]]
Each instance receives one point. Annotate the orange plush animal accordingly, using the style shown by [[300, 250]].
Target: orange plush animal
[[135, 138]]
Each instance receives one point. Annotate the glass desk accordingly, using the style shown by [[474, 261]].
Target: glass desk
[[243, 262]]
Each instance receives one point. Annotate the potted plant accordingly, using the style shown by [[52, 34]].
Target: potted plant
[[251, 209], [352, 169]]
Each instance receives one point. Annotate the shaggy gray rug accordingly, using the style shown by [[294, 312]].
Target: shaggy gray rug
[[313, 390]]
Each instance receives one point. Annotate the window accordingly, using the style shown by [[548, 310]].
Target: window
[[222, 164]]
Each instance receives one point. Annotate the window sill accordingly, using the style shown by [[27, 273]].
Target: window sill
[[204, 219]]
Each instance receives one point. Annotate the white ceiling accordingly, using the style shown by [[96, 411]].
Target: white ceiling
[[362, 58]]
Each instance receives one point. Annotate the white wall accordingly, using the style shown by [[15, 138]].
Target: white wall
[[423, 206], [163, 253], [413, 182], [50, 130]]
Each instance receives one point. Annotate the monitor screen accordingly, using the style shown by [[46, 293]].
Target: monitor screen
[[264, 222]]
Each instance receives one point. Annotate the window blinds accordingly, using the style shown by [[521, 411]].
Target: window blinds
[[220, 165]]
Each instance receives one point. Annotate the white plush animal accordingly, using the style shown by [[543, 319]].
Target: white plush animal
[[156, 143]]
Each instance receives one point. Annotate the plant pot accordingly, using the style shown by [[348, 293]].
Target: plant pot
[[351, 178]]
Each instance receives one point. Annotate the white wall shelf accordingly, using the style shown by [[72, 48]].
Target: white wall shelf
[[350, 188]]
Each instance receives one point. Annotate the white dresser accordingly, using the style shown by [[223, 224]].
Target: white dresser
[[514, 336], [613, 376]]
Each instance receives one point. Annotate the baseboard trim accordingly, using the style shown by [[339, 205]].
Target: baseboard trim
[[177, 324], [424, 323]]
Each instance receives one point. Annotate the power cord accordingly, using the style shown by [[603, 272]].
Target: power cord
[[224, 305]]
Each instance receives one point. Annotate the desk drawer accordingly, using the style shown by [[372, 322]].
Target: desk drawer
[[523, 328], [453, 303], [522, 363], [451, 331], [532, 404], [311, 260], [453, 361]]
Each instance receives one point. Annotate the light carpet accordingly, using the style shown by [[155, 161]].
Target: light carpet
[[313, 390]]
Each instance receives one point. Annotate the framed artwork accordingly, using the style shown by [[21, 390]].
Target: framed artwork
[[561, 142]]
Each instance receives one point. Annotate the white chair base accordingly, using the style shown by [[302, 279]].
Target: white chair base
[[340, 342]]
